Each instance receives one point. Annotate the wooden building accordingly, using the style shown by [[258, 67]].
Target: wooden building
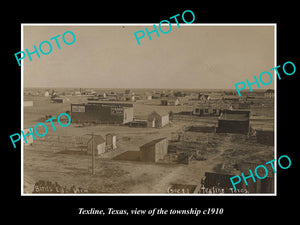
[[154, 150], [158, 119], [233, 121], [106, 113], [170, 102]]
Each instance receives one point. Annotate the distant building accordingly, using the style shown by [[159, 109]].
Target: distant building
[[107, 113], [269, 93], [156, 96], [231, 98], [158, 119], [112, 97], [206, 109], [128, 91], [78, 93], [57, 100], [154, 150], [203, 98], [170, 102], [97, 143], [194, 96], [210, 109], [93, 98], [148, 96], [234, 122]]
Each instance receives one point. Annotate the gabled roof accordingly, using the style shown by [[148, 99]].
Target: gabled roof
[[161, 112], [153, 142]]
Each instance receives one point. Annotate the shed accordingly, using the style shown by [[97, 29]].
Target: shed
[[158, 119], [98, 143], [154, 151]]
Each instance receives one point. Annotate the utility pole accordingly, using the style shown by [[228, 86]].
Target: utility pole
[[93, 154]]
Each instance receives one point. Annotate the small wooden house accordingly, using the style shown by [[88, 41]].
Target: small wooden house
[[158, 119], [154, 151]]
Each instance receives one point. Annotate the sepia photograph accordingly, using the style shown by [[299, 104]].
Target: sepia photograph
[[103, 114]]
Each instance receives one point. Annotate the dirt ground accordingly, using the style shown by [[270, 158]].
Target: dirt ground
[[113, 176]]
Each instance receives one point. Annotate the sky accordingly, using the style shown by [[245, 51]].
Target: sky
[[192, 56]]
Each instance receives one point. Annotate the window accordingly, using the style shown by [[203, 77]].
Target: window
[[206, 110]]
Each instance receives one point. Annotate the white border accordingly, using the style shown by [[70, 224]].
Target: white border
[[151, 24]]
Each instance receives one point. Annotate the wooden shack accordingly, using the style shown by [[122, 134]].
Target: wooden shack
[[154, 151]]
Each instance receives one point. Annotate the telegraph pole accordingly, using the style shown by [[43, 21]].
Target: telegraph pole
[[93, 154]]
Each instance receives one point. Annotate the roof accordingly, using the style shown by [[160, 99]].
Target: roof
[[269, 91], [161, 112], [98, 139], [153, 142], [235, 115]]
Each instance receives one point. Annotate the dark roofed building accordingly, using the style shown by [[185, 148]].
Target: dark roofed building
[[232, 121]]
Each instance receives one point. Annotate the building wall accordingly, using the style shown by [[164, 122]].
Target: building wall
[[99, 149], [147, 154], [161, 149], [164, 120], [206, 111], [100, 114], [155, 152], [128, 115]]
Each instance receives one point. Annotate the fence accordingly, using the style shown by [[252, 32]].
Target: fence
[[60, 143]]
